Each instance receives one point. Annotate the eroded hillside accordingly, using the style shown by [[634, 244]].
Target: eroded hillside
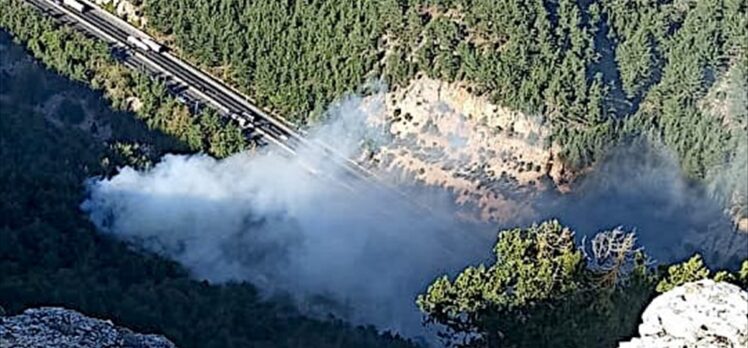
[[489, 156]]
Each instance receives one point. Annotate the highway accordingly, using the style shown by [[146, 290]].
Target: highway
[[200, 84]]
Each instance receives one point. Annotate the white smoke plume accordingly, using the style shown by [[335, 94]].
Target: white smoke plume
[[266, 219], [340, 245]]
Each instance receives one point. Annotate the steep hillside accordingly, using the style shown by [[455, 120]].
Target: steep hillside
[[497, 101], [597, 74], [55, 135]]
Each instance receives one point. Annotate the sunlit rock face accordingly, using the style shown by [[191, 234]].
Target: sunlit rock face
[[698, 314], [488, 156], [62, 328], [124, 9]]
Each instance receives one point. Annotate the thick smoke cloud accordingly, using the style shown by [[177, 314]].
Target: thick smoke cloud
[[267, 219]]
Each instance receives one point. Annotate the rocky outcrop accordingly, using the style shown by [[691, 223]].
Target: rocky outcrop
[[445, 136], [123, 9], [698, 314], [63, 328]]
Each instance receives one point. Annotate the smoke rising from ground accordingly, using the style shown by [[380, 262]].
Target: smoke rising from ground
[[266, 219], [641, 188]]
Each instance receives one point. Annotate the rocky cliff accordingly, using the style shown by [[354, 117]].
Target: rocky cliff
[[698, 314], [63, 328]]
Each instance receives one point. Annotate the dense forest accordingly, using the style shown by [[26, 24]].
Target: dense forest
[[83, 59], [599, 72], [50, 254]]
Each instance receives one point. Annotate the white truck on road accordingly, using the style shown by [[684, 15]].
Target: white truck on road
[[75, 5], [137, 43], [153, 45], [145, 44]]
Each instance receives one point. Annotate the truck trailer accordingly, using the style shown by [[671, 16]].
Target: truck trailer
[[153, 45], [137, 43], [78, 6]]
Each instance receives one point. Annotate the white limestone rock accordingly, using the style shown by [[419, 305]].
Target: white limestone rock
[[699, 314], [123, 9], [62, 328]]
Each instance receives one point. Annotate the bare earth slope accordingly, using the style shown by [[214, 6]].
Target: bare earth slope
[[487, 155]]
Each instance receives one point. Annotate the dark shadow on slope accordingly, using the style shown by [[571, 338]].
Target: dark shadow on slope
[[643, 189], [51, 255], [616, 101]]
